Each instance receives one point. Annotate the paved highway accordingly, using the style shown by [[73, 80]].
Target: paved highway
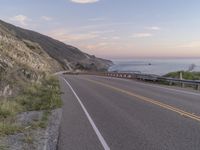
[[101, 113]]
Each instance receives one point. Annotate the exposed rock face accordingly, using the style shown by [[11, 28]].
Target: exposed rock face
[[68, 56], [21, 61], [18, 63], [25, 56]]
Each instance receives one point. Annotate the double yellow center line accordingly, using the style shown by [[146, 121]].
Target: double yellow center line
[[149, 100]]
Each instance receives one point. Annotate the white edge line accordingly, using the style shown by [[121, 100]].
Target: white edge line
[[101, 139], [157, 86]]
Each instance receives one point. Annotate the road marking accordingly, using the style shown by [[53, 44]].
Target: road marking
[[155, 86], [101, 139], [149, 100]]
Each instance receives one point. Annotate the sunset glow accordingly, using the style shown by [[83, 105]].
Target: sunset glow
[[114, 28]]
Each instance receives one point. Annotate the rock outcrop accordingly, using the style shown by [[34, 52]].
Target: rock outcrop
[[26, 56], [67, 55]]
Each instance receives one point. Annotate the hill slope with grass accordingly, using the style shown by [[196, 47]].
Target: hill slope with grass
[[67, 55], [28, 91], [21, 61], [28, 56]]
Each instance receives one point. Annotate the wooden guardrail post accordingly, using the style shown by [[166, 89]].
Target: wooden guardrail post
[[198, 87], [129, 76], [182, 85]]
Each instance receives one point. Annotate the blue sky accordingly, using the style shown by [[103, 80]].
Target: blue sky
[[114, 28]]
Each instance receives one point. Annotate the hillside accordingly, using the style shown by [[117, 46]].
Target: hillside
[[21, 61], [28, 56], [29, 94], [68, 56]]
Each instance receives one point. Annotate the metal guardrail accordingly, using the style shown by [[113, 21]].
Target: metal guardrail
[[156, 78], [146, 77]]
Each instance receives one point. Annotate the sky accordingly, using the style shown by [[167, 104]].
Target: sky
[[114, 28]]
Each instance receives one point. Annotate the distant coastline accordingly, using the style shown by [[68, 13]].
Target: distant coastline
[[156, 66]]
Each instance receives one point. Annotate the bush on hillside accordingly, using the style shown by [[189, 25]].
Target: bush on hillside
[[43, 96], [186, 75]]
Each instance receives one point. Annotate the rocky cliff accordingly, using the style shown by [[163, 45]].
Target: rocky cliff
[[68, 56], [27, 56]]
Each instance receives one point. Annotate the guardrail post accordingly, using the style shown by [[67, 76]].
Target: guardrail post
[[129, 76], [182, 85], [198, 87], [181, 82]]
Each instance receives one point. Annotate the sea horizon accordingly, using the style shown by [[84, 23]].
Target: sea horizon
[[157, 66]]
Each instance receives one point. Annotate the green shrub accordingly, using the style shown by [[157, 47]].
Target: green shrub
[[4, 147], [9, 108], [8, 128], [186, 75], [36, 96], [43, 96]]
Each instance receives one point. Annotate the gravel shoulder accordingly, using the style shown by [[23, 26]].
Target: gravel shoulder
[[34, 138]]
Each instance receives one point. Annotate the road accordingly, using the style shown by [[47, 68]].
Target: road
[[118, 114]]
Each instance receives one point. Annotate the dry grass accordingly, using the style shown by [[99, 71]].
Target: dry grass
[[9, 108], [43, 96], [7, 128]]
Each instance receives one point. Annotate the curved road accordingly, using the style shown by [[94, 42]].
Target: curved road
[[118, 114]]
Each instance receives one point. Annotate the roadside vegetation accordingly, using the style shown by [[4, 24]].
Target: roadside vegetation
[[186, 75], [41, 96]]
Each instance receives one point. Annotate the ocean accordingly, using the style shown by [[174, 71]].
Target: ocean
[[155, 66]]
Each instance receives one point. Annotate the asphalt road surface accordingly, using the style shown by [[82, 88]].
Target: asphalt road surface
[[101, 113]]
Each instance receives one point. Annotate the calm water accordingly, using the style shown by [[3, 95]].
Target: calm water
[[156, 66]]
